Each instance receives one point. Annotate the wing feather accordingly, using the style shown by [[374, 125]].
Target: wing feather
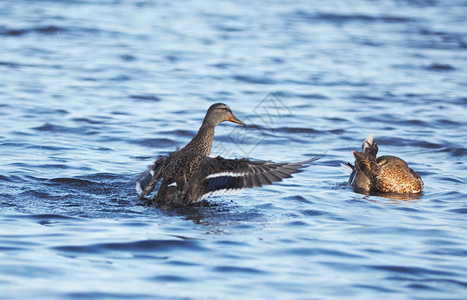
[[218, 174]]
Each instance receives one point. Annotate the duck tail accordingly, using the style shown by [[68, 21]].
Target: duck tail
[[147, 181], [370, 148]]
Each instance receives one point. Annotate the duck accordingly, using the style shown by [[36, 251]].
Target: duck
[[384, 174], [191, 174]]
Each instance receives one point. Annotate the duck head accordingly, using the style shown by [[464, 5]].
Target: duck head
[[220, 112]]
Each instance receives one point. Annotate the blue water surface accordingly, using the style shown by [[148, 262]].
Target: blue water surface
[[91, 92]]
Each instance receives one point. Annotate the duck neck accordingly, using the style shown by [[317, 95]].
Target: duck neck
[[202, 142]]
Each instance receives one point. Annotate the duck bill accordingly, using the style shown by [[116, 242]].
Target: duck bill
[[235, 120]]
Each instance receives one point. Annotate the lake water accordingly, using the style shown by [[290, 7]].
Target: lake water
[[91, 92]]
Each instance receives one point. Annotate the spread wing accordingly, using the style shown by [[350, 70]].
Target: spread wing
[[219, 175]]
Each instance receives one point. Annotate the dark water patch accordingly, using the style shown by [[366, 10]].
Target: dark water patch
[[223, 94], [73, 181], [243, 226], [425, 144], [39, 194], [297, 224], [49, 127], [456, 252], [147, 245], [19, 145], [230, 243], [46, 217], [5, 178], [313, 213], [453, 37], [88, 121], [284, 94], [388, 230], [54, 166], [298, 130], [229, 28], [173, 58], [127, 57], [337, 131], [455, 152], [416, 122], [462, 211], [235, 270], [152, 98], [13, 249], [179, 263], [435, 45], [419, 286], [27, 271], [156, 143], [48, 147], [335, 119], [400, 141], [33, 112], [337, 83], [18, 32], [441, 242], [414, 271], [10, 64], [146, 157], [451, 179], [363, 97], [407, 209], [306, 251], [120, 77], [21, 240], [440, 67], [297, 198], [223, 65], [448, 122], [79, 249], [120, 295], [49, 29], [313, 96], [339, 18], [14, 180], [180, 133], [150, 257], [397, 121], [120, 113], [376, 288], [170, 279], [254, 80], [336, 18], [440, 282], [22, 133], [54, 30], [136, 224], [278, 60]]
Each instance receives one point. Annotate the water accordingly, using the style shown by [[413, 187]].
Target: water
[[91, 92]]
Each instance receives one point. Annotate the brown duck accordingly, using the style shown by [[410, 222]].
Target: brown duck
[[385, 174], [189, 174]]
